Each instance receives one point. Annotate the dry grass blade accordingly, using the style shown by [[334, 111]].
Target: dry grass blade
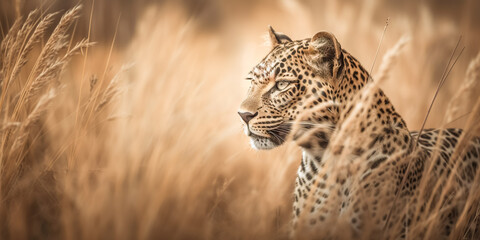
[[14, 52], [440, 84], [390, 58], [379, 44], [5, 48], [32, 40], [32, 119], [57, 40], [18, 7], [48, 57], [11, 165], [79, 46], [93, 82], [17, 42], [8, 125], [467, 89], [53, 70], [112, 89]]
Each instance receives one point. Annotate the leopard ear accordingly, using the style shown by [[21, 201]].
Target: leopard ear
[[277, 37], [325, 54]]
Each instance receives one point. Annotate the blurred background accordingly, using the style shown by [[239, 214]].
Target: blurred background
[[167, 157]]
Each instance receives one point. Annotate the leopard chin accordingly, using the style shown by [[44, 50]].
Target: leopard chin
[[277, 137], [262, 143]]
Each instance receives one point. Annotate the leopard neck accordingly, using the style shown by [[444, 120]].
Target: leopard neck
[[339, 97]]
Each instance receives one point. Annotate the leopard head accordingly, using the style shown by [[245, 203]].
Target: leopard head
[[284, 82]]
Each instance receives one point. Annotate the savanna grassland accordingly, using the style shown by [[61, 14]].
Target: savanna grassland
[[118, 119]]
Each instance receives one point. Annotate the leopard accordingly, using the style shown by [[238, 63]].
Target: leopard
[[308, 91]]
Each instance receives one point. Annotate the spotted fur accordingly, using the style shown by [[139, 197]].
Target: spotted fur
[[316, 84]]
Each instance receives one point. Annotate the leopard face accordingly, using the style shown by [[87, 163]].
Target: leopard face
[[275, 95], [281, 83]]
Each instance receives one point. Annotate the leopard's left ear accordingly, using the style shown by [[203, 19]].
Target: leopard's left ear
[[325, 54], [277, 37]]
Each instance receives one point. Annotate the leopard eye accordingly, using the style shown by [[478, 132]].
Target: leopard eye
[[281, 85]]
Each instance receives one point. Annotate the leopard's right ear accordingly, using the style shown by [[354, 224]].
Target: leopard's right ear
[[277, 37], [325, 54]]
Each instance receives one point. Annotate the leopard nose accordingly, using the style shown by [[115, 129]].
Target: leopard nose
[[247, 116]]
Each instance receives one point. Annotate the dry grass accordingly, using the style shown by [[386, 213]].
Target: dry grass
[[143, 141]]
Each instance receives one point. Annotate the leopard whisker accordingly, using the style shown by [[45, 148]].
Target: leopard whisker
[[278, 137]]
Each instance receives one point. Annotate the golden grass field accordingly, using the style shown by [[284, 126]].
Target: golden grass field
[[119, 120]]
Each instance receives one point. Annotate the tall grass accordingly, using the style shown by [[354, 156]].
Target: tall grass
[[143, 142]]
